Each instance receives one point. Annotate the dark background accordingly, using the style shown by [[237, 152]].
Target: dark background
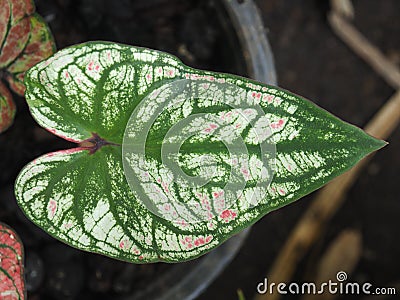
[[310, 61]]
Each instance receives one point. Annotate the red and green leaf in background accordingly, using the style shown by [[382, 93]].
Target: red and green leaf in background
[[25, 40], [88, 94], [11, 265]]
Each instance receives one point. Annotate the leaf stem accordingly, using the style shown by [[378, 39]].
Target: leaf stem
[[94, 143]]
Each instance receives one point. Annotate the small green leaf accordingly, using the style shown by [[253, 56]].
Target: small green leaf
[[171, 161], [25, 40], [7, 108], [11, 265]]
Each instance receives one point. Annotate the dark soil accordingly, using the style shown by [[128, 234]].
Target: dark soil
[[310, 61]]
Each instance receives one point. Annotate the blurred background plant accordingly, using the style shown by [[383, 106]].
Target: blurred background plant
[[25, 40]]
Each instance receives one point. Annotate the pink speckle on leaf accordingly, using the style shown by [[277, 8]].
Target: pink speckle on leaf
[[165, 187], [187, 242], [68, 225], [122, 244], [218, 194], [66, 74], [211, 127], [90, 65], [228, 215], [269, 98], [219, 201], [205, 203], [278, 125], [246, 173], [248, 112], [52, 207], [147, 240], [148, 77], [182, 222], [199, 241], [282, 192], [125, 244]]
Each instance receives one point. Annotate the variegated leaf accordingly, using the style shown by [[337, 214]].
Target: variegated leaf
[[7, 108], [11, 265], [171, 161], [25, 40]]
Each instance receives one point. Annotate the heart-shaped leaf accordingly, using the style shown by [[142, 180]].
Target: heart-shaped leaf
[[11, 265], [25, 40], [171, 161]]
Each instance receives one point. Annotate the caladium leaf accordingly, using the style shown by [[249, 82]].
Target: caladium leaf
[[164, 150], [25, 40], [11, 265], [7, 108]]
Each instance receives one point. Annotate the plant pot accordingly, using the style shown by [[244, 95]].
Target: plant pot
[[202, 34]]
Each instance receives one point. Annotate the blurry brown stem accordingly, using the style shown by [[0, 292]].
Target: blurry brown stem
[[343, 8], [360, 45]]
